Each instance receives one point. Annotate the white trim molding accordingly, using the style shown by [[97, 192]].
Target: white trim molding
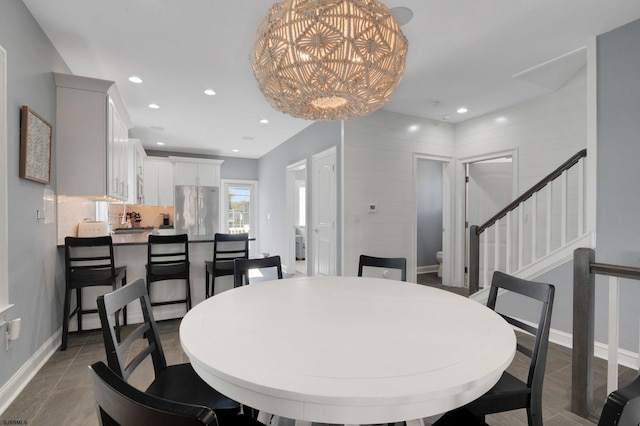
[[16, 384], [4, 234]]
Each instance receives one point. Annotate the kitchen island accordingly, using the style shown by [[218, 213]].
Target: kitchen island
[[130, 250]]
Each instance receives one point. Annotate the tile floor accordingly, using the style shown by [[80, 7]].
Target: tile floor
[[60, 393]]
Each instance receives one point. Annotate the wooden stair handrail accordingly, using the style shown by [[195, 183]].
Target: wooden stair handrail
[[535, 188]]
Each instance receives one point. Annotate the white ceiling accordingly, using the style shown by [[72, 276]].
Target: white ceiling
[[461, 53]]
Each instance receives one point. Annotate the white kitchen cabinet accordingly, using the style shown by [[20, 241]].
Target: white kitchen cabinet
[[91, 138], [135, 172], [158, 182], [196, 171]]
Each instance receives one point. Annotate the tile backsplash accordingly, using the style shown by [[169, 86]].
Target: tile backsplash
[[73, 210], [149, 215]]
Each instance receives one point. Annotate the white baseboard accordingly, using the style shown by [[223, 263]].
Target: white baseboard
[[10, 391], [427, 269], [601, 350]]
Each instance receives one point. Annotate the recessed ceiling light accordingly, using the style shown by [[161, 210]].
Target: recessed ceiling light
[[264, 121], [135, 79], [154, 106], [159, 143], [209, 92], [234, 150], [462, 110], [501, 120], [414, 128]]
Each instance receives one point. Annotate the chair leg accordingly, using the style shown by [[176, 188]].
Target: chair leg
[[79, 307], [124, 310], [188, 290], [117, 317], [206, 283], [534, 413], [65, 318], [149, 290]]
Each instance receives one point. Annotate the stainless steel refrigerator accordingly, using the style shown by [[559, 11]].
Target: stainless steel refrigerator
[[196, 210]]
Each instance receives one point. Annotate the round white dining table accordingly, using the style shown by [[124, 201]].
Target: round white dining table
[[347, 350]]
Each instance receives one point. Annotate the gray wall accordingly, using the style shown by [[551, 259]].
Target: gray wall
[[618, 202], [316, 138], [429, 207], [32, 244]]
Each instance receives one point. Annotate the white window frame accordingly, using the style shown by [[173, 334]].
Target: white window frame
[[4, 243], [224, 202]]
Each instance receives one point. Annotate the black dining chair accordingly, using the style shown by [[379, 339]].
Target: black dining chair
[[179, 382], [511, 393], [265, 264], [384, 263], [89, 262], [168, 259], [119, 403], [622, 407], [226, 248]]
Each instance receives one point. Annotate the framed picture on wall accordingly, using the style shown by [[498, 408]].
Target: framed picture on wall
[[35, 147]]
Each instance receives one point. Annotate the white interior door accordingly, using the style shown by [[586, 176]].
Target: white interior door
[[324, 212]]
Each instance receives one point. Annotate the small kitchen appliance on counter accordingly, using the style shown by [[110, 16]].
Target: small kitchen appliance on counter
[[93, 229], [166, 220]]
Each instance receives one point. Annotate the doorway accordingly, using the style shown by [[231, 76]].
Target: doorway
[[433, 184], [429, 209], [489, 187], [240, 206], [296, 199]]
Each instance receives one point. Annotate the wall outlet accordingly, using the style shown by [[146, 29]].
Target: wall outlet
[[372, 207]]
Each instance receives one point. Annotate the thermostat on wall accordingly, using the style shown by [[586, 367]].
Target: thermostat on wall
[[372, 207]]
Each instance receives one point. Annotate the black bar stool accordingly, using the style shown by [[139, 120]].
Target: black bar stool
[[226, 248], [88, 263], [168, 259]]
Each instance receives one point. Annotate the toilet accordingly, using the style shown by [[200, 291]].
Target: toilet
[[439, 260]]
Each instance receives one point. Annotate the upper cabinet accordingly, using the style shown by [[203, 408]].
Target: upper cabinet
[[136, 156], [196, 171], [158, 182], [92, 148]]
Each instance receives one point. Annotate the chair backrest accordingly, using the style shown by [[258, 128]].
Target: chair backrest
[[622, 407], [544, 294], [167, 250], [119, 403], [119, 351], [241, 268], [89, 254], [230, 246], [384, 262]]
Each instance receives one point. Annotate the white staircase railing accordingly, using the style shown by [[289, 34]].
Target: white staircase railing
[[585, 270], [543, 221]]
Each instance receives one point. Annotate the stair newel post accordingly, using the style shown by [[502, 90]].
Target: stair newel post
[[583, 332], [474, 259]]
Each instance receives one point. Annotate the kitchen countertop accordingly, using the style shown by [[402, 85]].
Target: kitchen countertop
[[140, 238]]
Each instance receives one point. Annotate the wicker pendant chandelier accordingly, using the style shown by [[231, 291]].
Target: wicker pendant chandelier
[[328, 59]]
